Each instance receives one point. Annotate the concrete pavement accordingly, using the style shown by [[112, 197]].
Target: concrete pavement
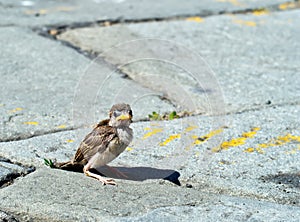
[[230, 69]]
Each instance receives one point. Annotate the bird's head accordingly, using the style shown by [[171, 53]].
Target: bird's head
[[120, 115]]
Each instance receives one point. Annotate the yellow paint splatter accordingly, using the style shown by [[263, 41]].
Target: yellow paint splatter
[[190, 128], [259, 150], [16, 110], [251, 133], [153, 132], [260, 12], [280, 140], [50, 10], [234, 142], [287, 5], [199, 140], [61, 126], [243, 22], [195, 19], [197, 153], [31, 123], [69, 141], [204, 138], [129, 149], [255, 129], [65, 8], [171, 138], [237, 141], [249, 150]]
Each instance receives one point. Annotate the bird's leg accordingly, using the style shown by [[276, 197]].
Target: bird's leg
[[96, 176], [117, 172]]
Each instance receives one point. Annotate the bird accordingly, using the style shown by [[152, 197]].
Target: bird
[[108, 139]]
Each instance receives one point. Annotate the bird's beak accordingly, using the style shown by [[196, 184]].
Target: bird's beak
[[123, 117]]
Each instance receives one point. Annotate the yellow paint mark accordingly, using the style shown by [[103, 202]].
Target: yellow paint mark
[[255, 129], [69, 141], [237, 141], [249, 150], [195, 19], [234, 142], [287, 5], [61, 126], [190, 128], [33, 12], [16, 110], [129, 149], [31, 123], [199, 140], [280, 140], [259, 150], [243, 22], [153, 132], [208, 136], [251, 133], [197, 153], [260, 12], [168, 140], [65, 9], [263, 145], [233, 2]]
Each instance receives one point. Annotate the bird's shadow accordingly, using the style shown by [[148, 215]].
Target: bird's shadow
[[291, 179], [134, 173]]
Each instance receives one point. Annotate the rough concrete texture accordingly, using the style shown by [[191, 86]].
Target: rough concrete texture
[[66, 196], [54, 13], [44, 89], [239, 49], [9, 171], [236, 159]]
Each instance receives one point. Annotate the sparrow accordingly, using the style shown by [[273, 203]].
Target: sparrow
[[107, 141]]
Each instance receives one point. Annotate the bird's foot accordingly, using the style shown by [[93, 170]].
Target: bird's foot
[[100, 178], [107, 181]]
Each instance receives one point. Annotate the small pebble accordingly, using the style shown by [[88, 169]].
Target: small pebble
[[189, 185]]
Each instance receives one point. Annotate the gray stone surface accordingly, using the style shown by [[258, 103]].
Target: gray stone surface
[[9, 171], [254, 58], [49, 195], [40, 13], [47, 87], [234, 167]]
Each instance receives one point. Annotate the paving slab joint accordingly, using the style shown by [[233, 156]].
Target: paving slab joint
[[9, 178]]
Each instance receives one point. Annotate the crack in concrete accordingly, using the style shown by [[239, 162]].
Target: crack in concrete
[[37, 133], [262, 107], [9, 178], [46, 31], [257, 108]]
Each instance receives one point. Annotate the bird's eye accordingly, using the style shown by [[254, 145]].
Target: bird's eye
[[117, 113]]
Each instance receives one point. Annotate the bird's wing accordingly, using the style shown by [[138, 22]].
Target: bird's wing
[[96, 141]]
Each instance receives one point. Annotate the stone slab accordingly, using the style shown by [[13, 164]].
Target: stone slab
[[9, 171], [52, 195], [61, 13], [47, 87], [250, 55], [253, 154]]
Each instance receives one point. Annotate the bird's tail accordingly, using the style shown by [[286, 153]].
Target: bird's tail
[[69, 165]]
